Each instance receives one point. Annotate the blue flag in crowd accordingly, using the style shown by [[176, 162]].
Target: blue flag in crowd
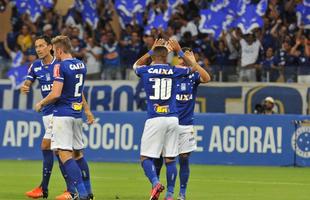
[[18, 75], [175, 3], [128, 9], [89, 13], [33, 7], [47, 3], [303, 14], [212, 22], [249, 20]]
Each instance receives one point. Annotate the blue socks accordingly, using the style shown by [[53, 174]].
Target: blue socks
[[184, 174], [70, 186], [48, 162], [75, 177], [171, 177], [149, 170], [158, 162], [85, 173]]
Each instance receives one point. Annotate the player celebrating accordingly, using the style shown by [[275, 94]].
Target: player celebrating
[[42, 69], [66, 94], [159, 135], [186, 95]]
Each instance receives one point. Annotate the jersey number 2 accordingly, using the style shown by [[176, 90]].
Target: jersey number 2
[[78, 85], [162, 88]]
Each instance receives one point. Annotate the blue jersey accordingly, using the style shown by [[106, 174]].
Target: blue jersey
[[72, 73], [186, 95], [159, 82], [44, 74]]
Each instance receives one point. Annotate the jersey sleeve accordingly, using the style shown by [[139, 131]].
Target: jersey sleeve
[[59, 73], [196, 78], [180, 71], [31, 76], [140, 69]]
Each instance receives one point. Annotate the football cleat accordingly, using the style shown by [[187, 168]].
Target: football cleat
[[37, 193], [181, 197], [67, 196], [155, 192]]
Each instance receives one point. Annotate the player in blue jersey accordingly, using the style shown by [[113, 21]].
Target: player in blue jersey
[[42, 70], [160, 131], [66, 95], [186, 95]]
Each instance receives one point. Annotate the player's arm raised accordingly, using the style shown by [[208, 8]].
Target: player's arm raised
[[204, 75], [144, 59], [51, 97], [89, 115]]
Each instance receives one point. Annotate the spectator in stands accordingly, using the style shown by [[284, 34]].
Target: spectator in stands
[[48, 30], [250, 50], [221, 62], [287, 61], [17, 56], [77, 50], [303, 59], [270, 70], [111, 58], [24, 39], [93, 59], [130, 54], [188, 26]]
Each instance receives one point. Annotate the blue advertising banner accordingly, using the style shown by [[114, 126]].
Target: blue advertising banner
[[222, 139], [229, 98]]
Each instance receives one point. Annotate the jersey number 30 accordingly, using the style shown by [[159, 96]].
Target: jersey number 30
[[162, 88], [78, 85]]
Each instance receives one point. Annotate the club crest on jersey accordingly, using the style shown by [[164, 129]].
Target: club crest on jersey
[[160, 71], [48, 77], [183, 86], [161, 109]]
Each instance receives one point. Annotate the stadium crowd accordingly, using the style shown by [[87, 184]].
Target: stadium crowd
[[277, 52]]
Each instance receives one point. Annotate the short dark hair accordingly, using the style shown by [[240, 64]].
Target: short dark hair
[[45, 38], [187, 49], [160, 51]]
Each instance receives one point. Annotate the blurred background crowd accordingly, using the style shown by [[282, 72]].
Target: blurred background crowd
[[235, 40]]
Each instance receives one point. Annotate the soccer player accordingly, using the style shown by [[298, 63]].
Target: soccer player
[[66, 95], [186, 95], [160, 135], [42, 70]]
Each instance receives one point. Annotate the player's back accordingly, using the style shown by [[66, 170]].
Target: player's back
[[72, 73], [159, 81]]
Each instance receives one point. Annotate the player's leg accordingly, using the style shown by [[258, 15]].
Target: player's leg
[[63, 141], [187, 144], [82, 163], [183, 174], [48, 161], [70, 192], [170, 151], [151, 147], [78, 146]]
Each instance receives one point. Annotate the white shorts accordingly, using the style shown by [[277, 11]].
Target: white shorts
[[67, 133], [160, 136], [187, 140], [48, 124]]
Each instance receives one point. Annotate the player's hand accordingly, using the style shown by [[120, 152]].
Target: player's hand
[[38, 107], [158, 42], [190, 55], [175, 46], [24, 89], [90, 119]]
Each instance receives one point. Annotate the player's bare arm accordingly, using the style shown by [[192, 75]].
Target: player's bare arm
[[89, 115], [144, 59], [204, 75], [26, 87], [51, 97], [175, 46]]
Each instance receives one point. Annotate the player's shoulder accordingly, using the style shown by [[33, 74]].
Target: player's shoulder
[[37, 63]]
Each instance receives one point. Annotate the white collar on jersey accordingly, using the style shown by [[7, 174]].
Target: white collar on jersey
[[50, 63]]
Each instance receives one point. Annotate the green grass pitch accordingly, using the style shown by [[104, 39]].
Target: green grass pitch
[[126, 181]]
